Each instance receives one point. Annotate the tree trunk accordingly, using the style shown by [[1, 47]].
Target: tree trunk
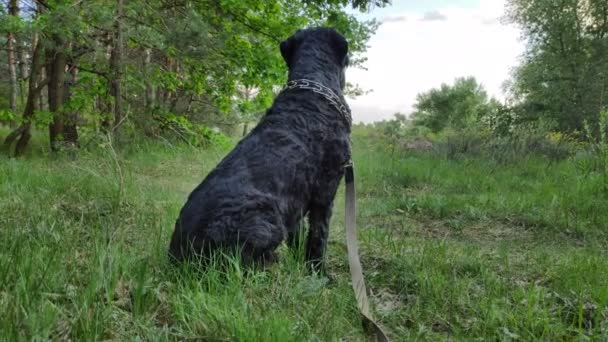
[[20, 48], [116, 67], [41, 102], [23, 72], [70, 129], [12, 69], [150, 91], [57, 62], [22, 134], [164, 94], [105, 104]]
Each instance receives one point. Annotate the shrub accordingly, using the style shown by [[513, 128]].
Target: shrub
[[599, 149], [523, 142], [456, 144]]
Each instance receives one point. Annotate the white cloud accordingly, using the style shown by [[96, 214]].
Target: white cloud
[[407, 57], [433, 16], [393, 19]]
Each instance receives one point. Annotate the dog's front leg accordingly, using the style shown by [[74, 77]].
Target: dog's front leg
[[318, 219]]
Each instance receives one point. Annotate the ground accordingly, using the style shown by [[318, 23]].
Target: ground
[[461, 248]]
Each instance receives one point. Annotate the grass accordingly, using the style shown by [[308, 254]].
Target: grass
[[460, 249]]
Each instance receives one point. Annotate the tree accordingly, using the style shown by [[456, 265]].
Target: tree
[[456, 106], [13, 10], [116, 66], [564, 76], [56, 63], [22, 134]]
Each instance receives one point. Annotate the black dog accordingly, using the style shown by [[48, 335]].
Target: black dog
[[290, 165]]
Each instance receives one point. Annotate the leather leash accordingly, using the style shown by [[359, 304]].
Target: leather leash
[[356, 271]]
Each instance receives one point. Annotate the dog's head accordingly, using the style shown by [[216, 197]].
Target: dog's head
[[320, 40]]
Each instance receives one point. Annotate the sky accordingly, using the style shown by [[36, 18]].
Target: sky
[[422, 44]]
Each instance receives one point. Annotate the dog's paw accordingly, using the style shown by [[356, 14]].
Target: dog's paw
[[269, 259]]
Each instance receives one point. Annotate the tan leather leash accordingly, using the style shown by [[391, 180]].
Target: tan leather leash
[[356, 271]]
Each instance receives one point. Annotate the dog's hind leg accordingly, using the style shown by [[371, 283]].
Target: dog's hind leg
[[316, 243], [259, 243]]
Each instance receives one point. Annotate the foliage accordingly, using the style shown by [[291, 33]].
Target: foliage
[[456, 106], [191, 58], [6, 115], [599, 149], [518, 141], [394, 130], [564, 72], [501, 119]]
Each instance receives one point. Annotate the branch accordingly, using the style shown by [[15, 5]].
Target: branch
[[145, 45], [81, 53], [43, 3], [96, 72], [41, 85], [245, 21], [142, 23], [124, 118]]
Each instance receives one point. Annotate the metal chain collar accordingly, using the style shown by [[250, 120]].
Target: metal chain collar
[[326, 92]]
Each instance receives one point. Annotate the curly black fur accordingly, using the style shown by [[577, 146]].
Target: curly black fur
[[289, 166]]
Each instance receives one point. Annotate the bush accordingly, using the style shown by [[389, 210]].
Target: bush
[[502, 139], [456, 144], [453, 106], [533, 139], [599, 149], [7, 115], [524, 142]]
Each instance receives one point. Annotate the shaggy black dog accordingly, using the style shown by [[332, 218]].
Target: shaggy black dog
[[289, 165]]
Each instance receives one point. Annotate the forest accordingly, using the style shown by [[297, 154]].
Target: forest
[[478, 217], [131, 68]]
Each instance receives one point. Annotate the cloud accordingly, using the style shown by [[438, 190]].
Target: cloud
[[408, 57], [373, 112], [393, 19], [433, 16], [491, 21]]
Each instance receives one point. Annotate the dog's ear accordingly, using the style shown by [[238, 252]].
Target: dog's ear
[[340, 46], [288, 47]]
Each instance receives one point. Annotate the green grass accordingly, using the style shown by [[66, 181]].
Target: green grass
[[460, 249]]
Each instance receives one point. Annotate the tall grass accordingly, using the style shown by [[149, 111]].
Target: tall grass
[[462, 248]]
